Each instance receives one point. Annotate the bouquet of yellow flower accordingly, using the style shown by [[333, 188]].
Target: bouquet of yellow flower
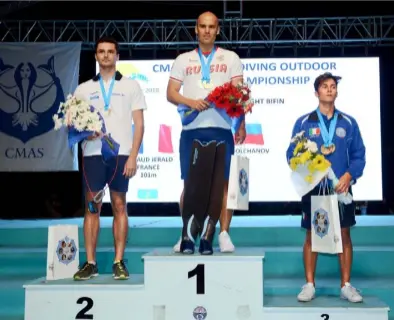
[[307, 165]]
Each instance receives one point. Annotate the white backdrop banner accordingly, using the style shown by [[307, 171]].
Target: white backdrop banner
[[282, 90], [34, 79]]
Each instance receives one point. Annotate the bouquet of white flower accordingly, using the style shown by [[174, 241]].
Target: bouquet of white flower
[[83, 120], [79, 115]]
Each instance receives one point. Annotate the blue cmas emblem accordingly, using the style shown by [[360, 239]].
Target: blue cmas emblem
[[66, 250], [30, 95], [243, 181], [320, 222]]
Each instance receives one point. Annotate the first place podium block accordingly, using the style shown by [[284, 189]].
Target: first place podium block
[[220, 286]]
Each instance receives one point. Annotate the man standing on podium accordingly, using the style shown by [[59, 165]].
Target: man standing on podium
[[121, 102], [200, 71], [338, 137]]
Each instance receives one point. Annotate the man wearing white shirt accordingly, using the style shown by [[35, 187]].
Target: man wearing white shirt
[[220, 66], [121, 102]]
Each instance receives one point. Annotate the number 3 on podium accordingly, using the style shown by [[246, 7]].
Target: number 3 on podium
[[199, 273]]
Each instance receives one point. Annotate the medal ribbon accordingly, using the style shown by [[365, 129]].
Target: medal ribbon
[[205, 66], [107, 97], [327, 135]]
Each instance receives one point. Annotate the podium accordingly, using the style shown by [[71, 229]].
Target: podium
[[178, 287], [174, 287]]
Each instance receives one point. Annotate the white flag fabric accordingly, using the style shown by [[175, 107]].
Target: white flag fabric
[[34, 79]]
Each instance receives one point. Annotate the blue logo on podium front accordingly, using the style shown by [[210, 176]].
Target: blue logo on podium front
[[321, 222], [66, 250], [243, 181], [199, 313]]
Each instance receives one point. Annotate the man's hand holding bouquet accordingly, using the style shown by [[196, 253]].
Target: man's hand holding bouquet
[[84, 122], [309, 167], [231, 101]]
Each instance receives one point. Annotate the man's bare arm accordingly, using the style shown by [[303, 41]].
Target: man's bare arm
[[176, 98], [138, 119]]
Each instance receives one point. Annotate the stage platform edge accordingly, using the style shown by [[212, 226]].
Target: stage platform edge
[[89, 298]]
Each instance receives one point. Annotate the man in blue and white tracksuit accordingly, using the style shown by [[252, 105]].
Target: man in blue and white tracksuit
[[338, 137]]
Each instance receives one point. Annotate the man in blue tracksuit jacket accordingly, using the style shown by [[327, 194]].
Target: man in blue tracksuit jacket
[[338, 138]]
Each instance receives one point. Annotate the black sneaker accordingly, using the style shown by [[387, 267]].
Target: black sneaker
[[119, 271], [86, 272], [205, 247]]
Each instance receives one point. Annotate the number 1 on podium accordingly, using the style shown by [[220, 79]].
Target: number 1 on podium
[[199, 272]]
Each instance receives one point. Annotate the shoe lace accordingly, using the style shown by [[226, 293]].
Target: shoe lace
[[84, 267], [354, 290], [306, 287], [121, 265]]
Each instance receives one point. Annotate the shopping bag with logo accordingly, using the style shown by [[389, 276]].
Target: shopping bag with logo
[[238, 185], [63, 252], [325, 220]]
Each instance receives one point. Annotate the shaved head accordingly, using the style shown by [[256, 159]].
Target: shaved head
[[207, 15]]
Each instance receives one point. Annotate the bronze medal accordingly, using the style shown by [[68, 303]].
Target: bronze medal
[[327, 150]]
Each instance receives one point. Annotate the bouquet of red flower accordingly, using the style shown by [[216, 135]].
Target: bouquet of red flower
[[232, 102], [235, 100]]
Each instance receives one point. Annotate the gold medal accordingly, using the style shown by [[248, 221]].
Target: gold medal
[[327, 150], [206, 85]]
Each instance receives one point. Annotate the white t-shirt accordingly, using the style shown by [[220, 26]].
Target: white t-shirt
[[127, 97], [186, 69]]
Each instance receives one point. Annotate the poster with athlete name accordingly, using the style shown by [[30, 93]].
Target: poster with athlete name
[[282, 91]]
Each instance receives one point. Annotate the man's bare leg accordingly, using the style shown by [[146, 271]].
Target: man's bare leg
[[120, 224], [120, 229], [177, 246], [181, 201], [348, 292], [91, 228], [310, 259], [226, 215], [346, 257]]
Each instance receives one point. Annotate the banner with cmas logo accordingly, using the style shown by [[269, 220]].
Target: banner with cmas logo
[[34, 79]]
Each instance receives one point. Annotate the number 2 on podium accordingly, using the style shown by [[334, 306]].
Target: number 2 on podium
[[199, 273]]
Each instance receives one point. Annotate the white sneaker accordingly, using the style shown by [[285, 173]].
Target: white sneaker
[[350, 293], [177, 247], [225, 243], [307, 293]]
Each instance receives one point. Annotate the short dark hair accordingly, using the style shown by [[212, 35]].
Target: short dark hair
[[323, 77], [107, 40]]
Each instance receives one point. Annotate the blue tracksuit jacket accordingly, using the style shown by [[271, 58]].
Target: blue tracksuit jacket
[[349, 155]]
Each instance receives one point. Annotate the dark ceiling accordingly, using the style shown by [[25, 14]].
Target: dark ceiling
[[110, 10]]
